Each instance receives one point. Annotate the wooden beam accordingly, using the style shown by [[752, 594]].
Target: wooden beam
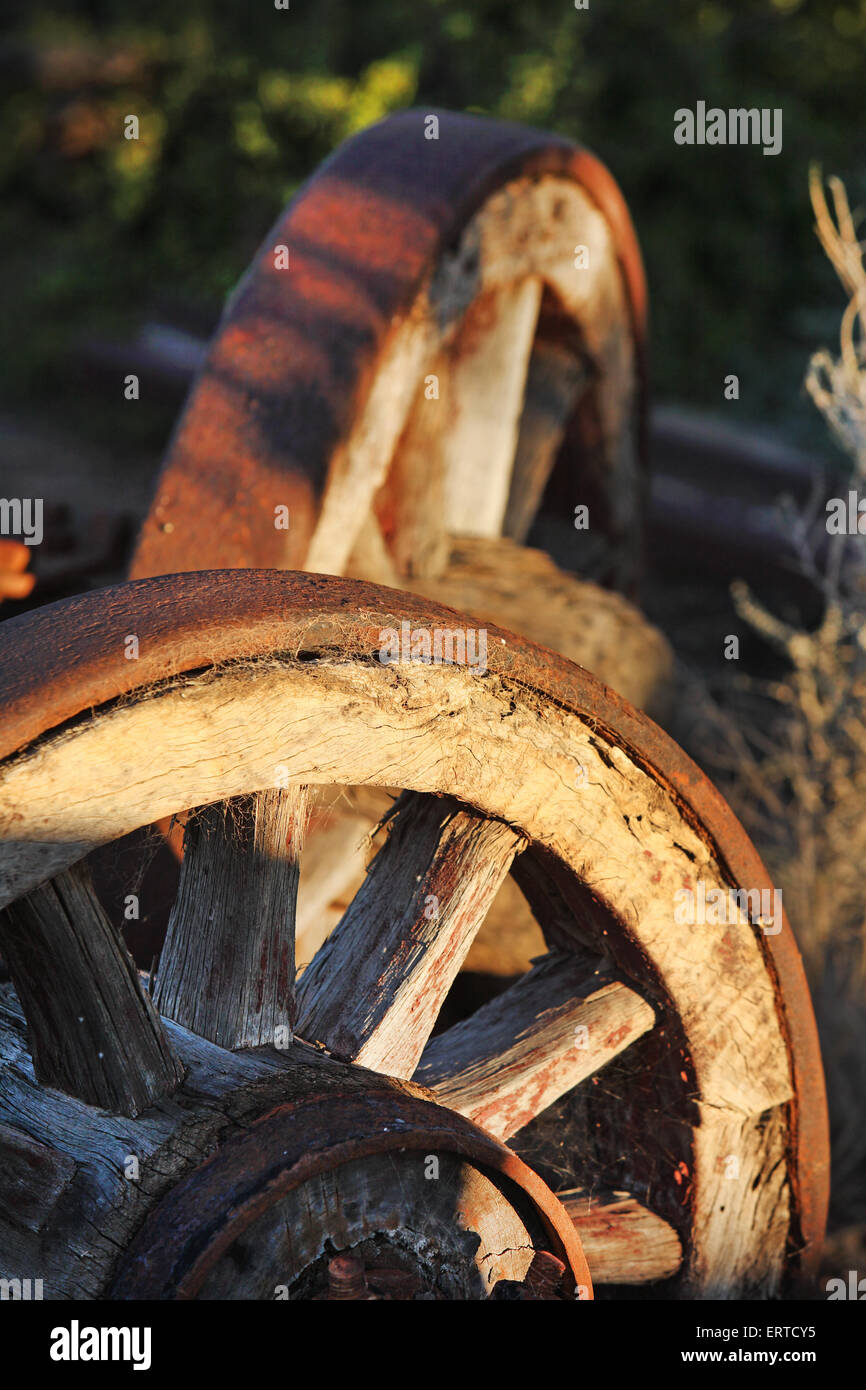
[[93, 1032], [485, 401], [566, 1018], [333, 865], [374, 990], [227, 969], [624, 1242], [554, 382], [411, 501], [370, 558], [358, 466], [32, 1178]]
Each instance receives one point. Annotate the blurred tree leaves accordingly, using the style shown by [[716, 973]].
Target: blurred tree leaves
[[238, 104]]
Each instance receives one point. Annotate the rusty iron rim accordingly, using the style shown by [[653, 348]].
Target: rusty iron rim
[[185, 1235], [63, 660], [368, 229]]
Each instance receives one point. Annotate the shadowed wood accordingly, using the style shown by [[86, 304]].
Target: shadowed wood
[[624, 1242], [374, 989], [524, 1049], [227, 969], [387, 1208], [554, 381], [33, 1178], [93, 1031], [568, 913], [100, 1176]]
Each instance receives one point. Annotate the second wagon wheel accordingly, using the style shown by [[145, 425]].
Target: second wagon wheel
[[449, 307], [446, 326], [676, 1065]]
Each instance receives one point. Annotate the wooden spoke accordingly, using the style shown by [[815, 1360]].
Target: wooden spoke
[[370, 558], [453, 465], [373, 991], [532, 1043], [332, 870], [555, 380], [411, 501], [95, 1034], [228, 966], [624, 1242], [484, 407], [358, 466]]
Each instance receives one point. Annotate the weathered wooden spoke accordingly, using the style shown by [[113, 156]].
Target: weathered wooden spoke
[[374, 990], [227, 970], [701, 1092], [95, 1034], [624, 1242], [518, 1054]]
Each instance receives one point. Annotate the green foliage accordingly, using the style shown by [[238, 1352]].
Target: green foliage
[[238, 104]]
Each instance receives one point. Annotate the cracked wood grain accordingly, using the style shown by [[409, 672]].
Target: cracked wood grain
[[227, 969], [624, 1242], [538, 1039], [94, 1033], [374, 990]]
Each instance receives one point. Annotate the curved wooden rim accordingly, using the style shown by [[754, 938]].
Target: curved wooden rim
[[60, 661], [187, 1232], [265, 415]]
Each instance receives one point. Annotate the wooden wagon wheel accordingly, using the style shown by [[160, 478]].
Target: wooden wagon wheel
[[679, 1064], [248, 1178], [449, 307], [435, 331]]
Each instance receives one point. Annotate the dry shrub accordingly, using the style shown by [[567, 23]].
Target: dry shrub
[[792, 751]]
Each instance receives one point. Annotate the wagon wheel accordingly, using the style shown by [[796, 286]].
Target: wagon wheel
[[262, 1169], [675, 1065], [434, 359], [429, 328]]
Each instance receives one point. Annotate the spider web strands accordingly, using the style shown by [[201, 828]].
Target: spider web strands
[[519, 1053]]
